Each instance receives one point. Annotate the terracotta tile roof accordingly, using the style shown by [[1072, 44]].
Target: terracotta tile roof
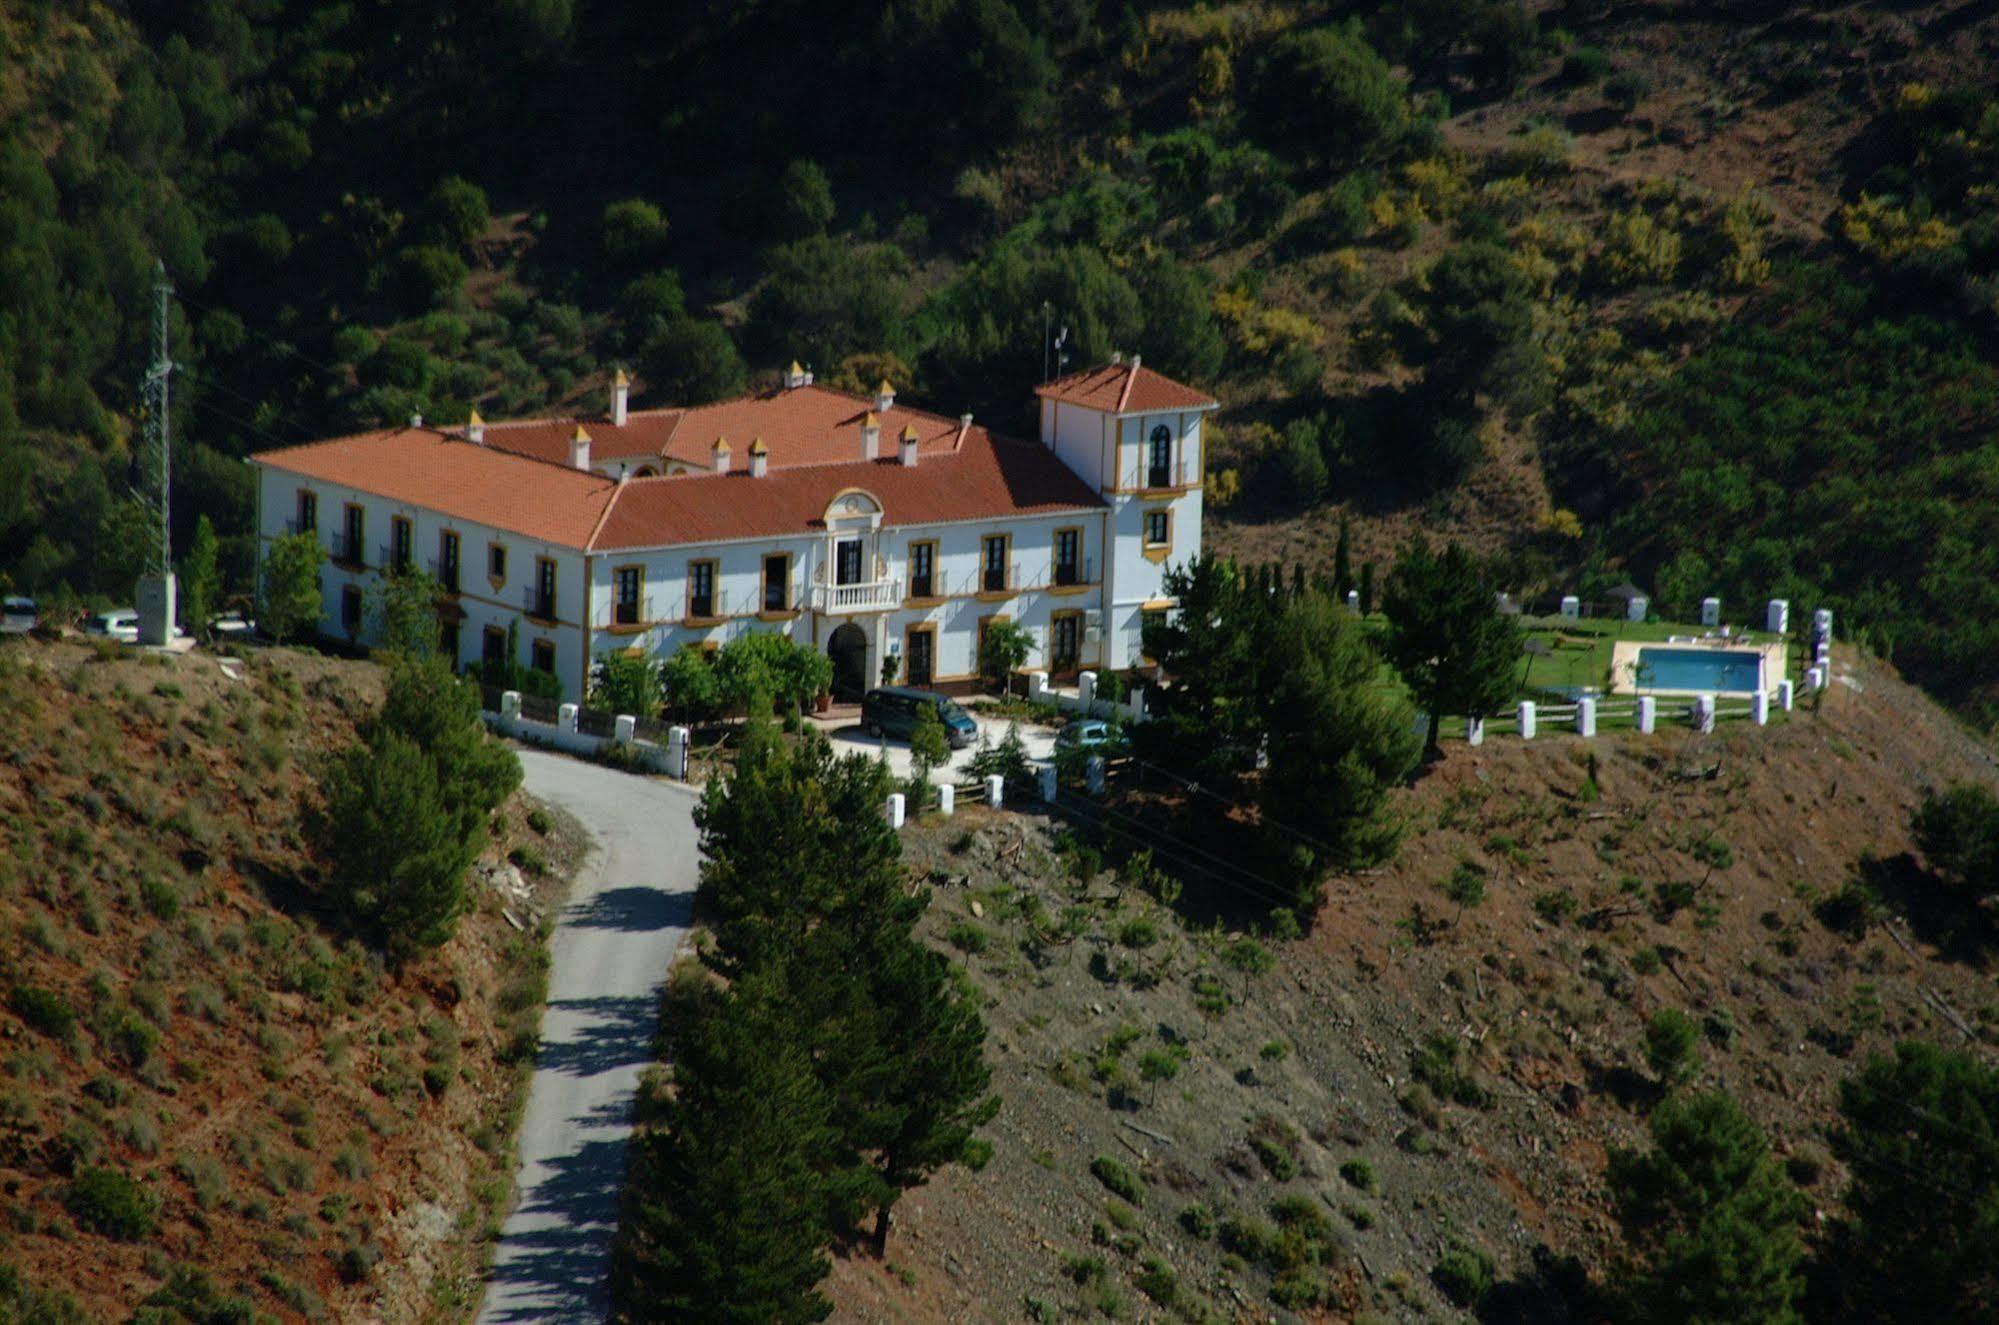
[[810, 425], [985, 478], [435, 470], [1124, 388]]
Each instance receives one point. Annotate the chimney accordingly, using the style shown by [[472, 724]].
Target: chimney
[[579, 449], [416, 420], [624, 472], [720, 463], [759, 458], [884, 397], [1134, 363], [621, 398], [909, 446], [1117, 356], [965, 422], [871, 437], [475, 428], [795, 377]]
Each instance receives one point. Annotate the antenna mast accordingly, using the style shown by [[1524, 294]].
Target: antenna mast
[[159, 442]]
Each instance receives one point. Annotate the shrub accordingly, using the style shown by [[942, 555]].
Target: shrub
[[1464, 1274], [967, 938], [1199, 1221], [1585, 65], [1672, 1045], [43, 1010], [106, 1201], [633, 232], [1117, 1179], [1626, 89], [1359, 1175], [540, 820], [529, 860], [1140, 932]]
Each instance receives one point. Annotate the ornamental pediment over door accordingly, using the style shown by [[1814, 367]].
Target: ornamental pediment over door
[[854, 509]]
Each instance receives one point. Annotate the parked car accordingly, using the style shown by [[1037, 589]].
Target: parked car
[[228, 627], [893, 711], [1095, 735], [18, 615], [120, 623]]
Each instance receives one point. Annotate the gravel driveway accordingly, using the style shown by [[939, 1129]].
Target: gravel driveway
[[627, 914]]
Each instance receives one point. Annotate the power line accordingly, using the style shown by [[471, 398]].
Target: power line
[[211, 384], [216, 410], [1150, 838], [276, 344]]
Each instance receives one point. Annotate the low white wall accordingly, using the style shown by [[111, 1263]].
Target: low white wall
[[1085, 701], [550, 736]]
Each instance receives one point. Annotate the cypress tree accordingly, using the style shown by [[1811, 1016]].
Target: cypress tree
[[1343, 562], [727, 1222]]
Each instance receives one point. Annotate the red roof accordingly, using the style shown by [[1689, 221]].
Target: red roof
[[1124, 388], [427, 468], [986, 478], [974, 477], [811, 425]]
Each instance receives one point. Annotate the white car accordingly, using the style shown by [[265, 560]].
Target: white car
[[231, 626], [120, 623], [18, 615]]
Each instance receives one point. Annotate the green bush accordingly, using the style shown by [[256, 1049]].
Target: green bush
[[106, 1201], [1359, 1175], [1117, 1179], [1585, 65], [1199, 1221], [43, 1010], [1464, 1274], [1672, 1045]]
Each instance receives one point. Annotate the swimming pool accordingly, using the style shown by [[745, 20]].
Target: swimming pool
[[1700, 671]]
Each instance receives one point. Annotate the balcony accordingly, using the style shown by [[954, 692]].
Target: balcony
[[1160, 478], [345, 549], [864, 596], [446, 574], [395, 560], [540, 606]]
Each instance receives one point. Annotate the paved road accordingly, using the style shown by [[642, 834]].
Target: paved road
[[613, 944]]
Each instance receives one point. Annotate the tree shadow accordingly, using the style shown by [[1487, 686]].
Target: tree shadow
[[614, 1033], [1552, 1290], [634, 910], [553, 1261], [1945, 917]]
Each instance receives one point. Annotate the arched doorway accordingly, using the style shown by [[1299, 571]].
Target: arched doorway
[[848, 648]]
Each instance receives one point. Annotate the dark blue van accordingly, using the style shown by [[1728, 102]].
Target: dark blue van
[[893, 710]]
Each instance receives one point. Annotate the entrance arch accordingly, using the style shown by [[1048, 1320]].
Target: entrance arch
[[848, 648]]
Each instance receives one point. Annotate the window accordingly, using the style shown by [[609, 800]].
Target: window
[[992, 564], [544, 589], [1158, 528], [541, 655], [447, 560], [399, 544], [349, 550], [350, 608], [496, 564], [700, 588], [847, 561], [308, 513], [922, 570], [1159, 460], [629, 581], [493, 647], [1151, 621], [777, 582], [1068, 556]]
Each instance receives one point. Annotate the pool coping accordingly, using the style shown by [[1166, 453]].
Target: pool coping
[[1624, 664]]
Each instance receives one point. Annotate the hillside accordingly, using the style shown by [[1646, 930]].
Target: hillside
[[214, 1102], [1528, 1009], [1455, 268]]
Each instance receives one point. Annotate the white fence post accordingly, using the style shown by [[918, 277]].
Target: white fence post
[[1759, 708], [1093, 774], [1037, 687], [1526, 719], [1704, 713], [1474, 731], [1815, 679], [626, 729], [1787, 695], [1047, 774], [1572, 606], [1586, 716], [1086, 689], [895, 809], [1636, 609], [676, 753], [1648, 714], [1710, 611], [510, 705], [1353, 601], [1137, 702], [995, 790], [565, 717], [947, 799], [1777, 617]]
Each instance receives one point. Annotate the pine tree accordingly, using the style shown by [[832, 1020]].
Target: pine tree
[[727, 1215], [1714, 1219], [1446, 636]]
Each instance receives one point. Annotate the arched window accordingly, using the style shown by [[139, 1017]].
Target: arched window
[[1159, 463]]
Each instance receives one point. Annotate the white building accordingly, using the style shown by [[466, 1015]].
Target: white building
[[860, 526]]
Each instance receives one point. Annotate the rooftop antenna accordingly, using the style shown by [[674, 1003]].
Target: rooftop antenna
[[156, 591]]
